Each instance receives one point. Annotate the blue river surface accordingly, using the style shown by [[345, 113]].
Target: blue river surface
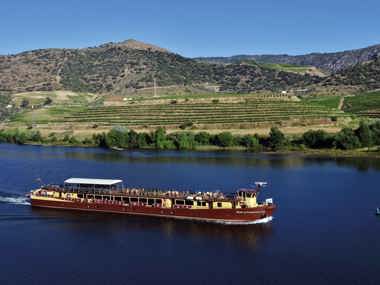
[[324, 231]]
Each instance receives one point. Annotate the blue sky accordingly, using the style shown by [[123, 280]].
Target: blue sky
[[192, 28]]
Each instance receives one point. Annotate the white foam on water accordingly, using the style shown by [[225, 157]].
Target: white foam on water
[[259, 221], [14, 200], [263, 221]]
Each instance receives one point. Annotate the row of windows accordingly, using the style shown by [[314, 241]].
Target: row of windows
[[149, 201], [190, 203]]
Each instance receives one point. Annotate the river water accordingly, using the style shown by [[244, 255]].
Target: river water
[[324, 231]]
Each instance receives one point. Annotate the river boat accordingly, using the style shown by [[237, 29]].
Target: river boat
[[110, 196]]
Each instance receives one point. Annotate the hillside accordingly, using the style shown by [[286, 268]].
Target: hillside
[[84, 114], [330, 62], [365, 74], [123, 67]]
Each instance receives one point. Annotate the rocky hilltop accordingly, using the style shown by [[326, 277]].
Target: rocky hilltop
[[365, 74]]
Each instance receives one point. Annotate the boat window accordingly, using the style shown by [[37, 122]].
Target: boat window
[[189, 202], [150, 201], [219, 204], [80, 195], [117, 198], [158, 201], [98, 197], [204, 204], [180, 202], [107, 198], [199, 203], [90, 196], [142, 200], [134, 199]]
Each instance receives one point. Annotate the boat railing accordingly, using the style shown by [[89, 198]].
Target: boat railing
[[141, 192]]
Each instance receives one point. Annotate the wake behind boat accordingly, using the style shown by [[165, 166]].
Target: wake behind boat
[[109, 195]]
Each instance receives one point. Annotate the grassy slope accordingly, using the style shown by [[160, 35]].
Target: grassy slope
[[324, 101], [63, 104], [287, 67], [364, 104]]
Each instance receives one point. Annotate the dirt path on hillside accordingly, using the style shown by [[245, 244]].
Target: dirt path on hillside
[[341, 102]]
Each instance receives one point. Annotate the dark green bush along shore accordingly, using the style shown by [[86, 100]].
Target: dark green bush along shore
[[365, 138]]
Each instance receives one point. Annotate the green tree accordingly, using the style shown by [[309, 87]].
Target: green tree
[[375, 129], [276, 139], [52, 138], [364, 134], [100, 140], [133, 139], [35, 136], [346, 139], [224, 139], [73, 140], [202, 138], [251, 142], [117, 137], [316, 139], [159, 138], [142, 140], [87, 141], [185, 141], [18, 137]]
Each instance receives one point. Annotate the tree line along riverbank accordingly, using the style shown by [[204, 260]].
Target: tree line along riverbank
[[367, 136]]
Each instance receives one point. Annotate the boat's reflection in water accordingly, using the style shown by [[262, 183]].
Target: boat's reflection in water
[[104, 224]]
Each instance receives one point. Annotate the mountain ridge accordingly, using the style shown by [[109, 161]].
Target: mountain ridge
[[130, 65], [124, 67], [328, 61]]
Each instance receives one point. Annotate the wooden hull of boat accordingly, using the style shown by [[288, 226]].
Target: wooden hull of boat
[[225, 216]]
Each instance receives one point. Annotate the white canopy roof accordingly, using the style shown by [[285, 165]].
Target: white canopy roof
[[93, 181]]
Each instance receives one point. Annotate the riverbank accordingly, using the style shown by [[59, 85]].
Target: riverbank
[[363, 141], [373, 152]]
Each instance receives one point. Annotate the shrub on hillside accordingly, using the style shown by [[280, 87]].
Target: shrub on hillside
[[276, 139], [117, 137], [100, 139], [48, 101], [186, 125], [184, 141], [375, 129], [317, 139], [35, 136], [364, 134], [24, 103], [132, 139], [143, 140], [224, 139], [346, 139], [251, 142], [203, 138], [161, 141]]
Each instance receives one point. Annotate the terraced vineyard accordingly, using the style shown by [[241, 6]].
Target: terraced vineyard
[[366, 104], [254, 112]]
